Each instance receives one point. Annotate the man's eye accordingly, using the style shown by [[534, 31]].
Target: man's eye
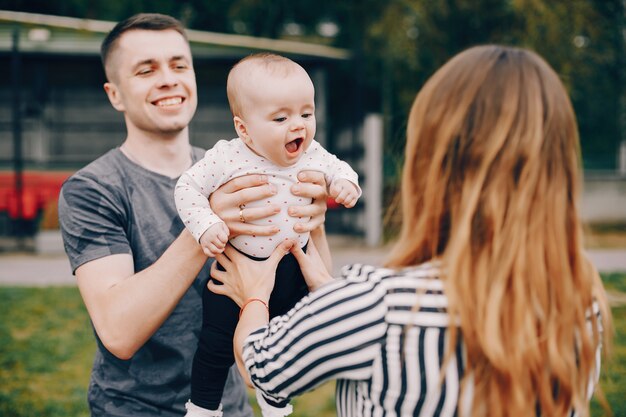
[[144, 71], [181, 66], [280, 119]]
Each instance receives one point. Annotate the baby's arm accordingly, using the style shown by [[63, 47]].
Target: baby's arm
[[343, 180], [192, 192], [344, 192], [214, 240]]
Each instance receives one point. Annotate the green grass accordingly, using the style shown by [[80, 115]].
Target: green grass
[[47, 345], [46, 349], [613, 376]]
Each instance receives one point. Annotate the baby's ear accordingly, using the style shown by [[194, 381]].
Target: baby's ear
[[242, 131]]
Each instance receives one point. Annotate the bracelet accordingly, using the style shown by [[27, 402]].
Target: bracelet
[[251, 300]]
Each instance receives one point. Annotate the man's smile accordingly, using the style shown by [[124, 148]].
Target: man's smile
[[168, 101]]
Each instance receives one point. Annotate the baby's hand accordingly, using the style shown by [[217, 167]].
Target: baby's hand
[[344, 192], [214, 240]]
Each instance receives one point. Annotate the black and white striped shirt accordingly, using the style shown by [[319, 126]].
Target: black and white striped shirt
[[353, 330], [364, 332]]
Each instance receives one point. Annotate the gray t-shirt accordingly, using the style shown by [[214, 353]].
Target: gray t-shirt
[[114, 206]]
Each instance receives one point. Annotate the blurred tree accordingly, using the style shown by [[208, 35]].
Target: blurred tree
[[398, 44], [583, 41]]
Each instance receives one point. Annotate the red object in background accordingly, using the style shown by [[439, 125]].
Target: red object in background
[[39, 188], [29, 205], [332, 204]]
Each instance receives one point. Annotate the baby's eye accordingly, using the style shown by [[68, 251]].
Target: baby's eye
[[280, 119], [307, 115]]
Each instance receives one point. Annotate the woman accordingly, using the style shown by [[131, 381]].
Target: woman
[[487, 304]]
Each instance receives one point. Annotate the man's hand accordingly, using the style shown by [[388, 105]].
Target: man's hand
[[312, 185], [229, 201]]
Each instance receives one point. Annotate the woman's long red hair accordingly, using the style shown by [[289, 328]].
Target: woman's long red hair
[[490, 185]]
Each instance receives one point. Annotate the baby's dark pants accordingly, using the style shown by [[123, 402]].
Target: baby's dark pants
[[214, 354]]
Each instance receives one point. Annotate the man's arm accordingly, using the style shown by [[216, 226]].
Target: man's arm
[[125, 307]]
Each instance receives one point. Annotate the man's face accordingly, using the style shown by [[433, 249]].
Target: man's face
[[152, 81], [279, 115]]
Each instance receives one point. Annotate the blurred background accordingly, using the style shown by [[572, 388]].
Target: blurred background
[[367, 58]]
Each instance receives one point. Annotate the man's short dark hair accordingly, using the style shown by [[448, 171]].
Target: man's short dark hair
[[141, 21]]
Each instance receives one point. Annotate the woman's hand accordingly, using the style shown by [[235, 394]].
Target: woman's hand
[[245, 278], [229, 200], [312, 185], [313, 268]]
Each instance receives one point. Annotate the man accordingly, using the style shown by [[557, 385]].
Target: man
[[139, 272]]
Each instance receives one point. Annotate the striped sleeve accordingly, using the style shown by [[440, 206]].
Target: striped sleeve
[[334, 332]]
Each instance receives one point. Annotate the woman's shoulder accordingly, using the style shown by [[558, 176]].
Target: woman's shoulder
[[427, 273], [412, 294]]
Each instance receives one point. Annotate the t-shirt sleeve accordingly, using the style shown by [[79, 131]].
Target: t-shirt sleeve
[[92, 220]]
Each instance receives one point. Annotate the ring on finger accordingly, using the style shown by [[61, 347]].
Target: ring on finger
[[241, 217]]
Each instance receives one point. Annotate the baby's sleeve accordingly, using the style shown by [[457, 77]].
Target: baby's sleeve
[[335, 167], [193, 189]]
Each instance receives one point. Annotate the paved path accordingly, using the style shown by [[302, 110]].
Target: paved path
[[54, 269]]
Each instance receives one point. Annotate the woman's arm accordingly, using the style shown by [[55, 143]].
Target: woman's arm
[[315, 268], [335, 330], [249, 284]]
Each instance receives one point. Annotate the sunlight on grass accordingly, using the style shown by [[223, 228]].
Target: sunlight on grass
[[47, 345]]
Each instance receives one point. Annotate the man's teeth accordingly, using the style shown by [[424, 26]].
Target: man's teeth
[[169, 101]]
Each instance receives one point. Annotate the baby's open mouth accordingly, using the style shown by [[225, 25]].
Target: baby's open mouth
[[294, 145]]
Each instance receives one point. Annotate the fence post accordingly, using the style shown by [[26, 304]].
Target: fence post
[[373, 186]]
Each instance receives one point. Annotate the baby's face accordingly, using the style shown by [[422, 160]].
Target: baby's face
[[279, 115]]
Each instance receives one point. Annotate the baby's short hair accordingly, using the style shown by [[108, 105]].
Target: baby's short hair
[[272, 63]]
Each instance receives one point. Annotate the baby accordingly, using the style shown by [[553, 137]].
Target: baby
[[272, 101]]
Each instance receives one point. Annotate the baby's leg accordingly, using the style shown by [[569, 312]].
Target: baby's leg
[[214, 355], [290, 286]]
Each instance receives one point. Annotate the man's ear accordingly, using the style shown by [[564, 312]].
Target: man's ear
[[242, 131], [113, 94]]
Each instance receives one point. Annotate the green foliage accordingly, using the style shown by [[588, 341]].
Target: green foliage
[[398, 44]]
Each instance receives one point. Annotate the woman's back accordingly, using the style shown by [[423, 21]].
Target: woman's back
[[490, 186]]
